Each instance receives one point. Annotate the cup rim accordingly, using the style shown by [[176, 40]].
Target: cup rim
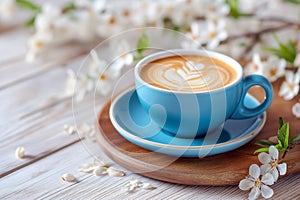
[[181, 52]]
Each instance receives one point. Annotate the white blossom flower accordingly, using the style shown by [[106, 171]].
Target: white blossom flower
[[258, 186], [290, 87], [194, 40], [270, 163], [110, 23], [255, 66], [274, 68], [182, 12], [217, 9], [215, 33], [7, 9], [124, 57], [54, 28], [83, 86], [296, 110], [97, 77]]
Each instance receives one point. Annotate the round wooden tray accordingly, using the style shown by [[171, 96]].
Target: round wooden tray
[[223, 169]]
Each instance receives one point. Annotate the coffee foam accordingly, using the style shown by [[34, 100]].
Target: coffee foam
[[188, 73]]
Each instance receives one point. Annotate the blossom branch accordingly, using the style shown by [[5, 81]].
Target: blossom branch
[[257, 33], [248, 49]]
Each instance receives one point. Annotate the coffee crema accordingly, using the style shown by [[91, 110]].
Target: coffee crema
[[190, 73]]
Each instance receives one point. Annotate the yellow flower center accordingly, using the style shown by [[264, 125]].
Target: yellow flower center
[[257, 182], [273, 72], [290, 86], [273, 163], [112, 21], [39, 44], [102, 77], [212, 34], [126, 13]]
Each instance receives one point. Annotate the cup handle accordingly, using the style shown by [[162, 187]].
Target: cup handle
[[243, 112]]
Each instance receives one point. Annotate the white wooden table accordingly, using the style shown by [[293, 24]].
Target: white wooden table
[[33, 110]]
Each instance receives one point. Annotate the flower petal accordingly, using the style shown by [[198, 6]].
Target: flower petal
[[255, 192], [222, 35], [267, 179], [273, 152], [274, 173], [246, 184], [213, 43], [254, 171], [282, 168], [265, 169], [296, 110], [289, 76], [266, 191], [264, 158]]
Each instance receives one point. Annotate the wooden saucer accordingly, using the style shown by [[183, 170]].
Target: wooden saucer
[[223, 169]]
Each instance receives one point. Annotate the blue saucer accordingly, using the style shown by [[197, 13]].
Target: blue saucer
[[133, 123]]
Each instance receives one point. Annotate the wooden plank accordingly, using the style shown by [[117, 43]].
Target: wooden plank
[[40, 137], [34, 112], [44, 175], [42, 180], [21, 70], [13, 45]]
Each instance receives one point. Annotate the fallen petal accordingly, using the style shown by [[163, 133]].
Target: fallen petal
[[148, 186], [87, 168], [68, 177], [99, 171], [20, 152], [115, 172]]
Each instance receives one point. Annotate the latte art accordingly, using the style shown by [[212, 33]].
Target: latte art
[[188, 73]]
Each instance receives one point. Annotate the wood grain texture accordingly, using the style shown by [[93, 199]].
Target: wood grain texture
[[223, 169]]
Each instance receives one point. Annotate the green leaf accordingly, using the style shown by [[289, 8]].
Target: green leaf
[[279, 147], [297, 2], [279, 53], [294, 139], [291, 46], [286, 51], [265, 149], [69, 7], [30, 22], [142, 44], [283, 136], [280, 122], [264, 143], [26, 4], [234, 9]]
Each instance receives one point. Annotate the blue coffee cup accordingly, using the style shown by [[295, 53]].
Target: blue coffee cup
[[190, 114]]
